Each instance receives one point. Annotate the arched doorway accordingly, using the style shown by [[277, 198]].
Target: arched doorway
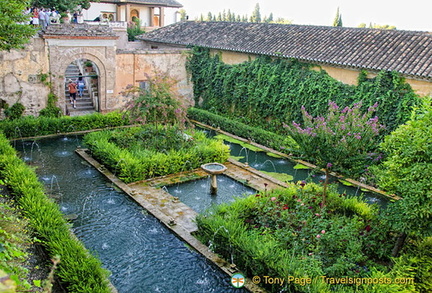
[[82, 76], [134, 15]]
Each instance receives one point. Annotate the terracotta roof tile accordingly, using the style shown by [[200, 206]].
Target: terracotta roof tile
[[408, 52]]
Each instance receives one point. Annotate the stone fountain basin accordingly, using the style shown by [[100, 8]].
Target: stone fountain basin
[[214, 168]]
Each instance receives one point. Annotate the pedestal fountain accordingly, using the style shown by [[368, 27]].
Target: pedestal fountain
[[213, 169]]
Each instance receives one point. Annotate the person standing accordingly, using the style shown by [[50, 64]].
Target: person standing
[[72, 92], [35, 21], [42, 19], [47, 17], [81, 85]]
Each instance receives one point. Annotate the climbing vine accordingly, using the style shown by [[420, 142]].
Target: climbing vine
[[268, 92]]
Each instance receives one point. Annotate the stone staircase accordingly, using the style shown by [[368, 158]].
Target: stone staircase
[[84, 105]]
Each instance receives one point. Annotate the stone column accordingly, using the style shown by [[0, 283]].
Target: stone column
[[162, 16]]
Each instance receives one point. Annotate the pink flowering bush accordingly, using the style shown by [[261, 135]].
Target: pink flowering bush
[[345, 139]]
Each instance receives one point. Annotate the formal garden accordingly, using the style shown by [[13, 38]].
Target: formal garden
[[377, 132]]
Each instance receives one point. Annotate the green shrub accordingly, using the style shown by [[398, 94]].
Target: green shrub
[[406, 172], [51, 109], [30, 126], [14, 241], [133, 30], [287, 233], [15, 111], [256, 134], [144, 152], [78, 270]]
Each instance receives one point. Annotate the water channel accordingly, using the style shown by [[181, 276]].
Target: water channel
[[142, 254], [261, 161]]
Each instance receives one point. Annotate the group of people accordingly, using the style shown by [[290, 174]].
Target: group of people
[[42, 17], [75, 87]]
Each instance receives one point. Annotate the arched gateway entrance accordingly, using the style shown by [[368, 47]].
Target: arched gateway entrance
[[73, 45]]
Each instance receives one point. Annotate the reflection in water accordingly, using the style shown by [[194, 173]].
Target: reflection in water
[[142, 254]]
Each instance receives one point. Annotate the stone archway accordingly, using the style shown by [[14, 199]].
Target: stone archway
[[100, 51]]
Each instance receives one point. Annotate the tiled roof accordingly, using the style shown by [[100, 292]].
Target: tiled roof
[[166, 3], [407, 52]]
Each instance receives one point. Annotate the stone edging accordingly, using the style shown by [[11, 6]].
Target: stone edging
[[312, 166], [178, 229]]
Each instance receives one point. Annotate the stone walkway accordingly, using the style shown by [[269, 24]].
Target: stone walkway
[[150, 190]]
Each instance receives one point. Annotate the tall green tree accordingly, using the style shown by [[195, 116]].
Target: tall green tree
[[269, 18], [209, 17], [62, 5], [14, 34], [338, 18], [256, 14]]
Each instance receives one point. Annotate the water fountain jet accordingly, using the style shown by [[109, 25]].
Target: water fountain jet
[[213, 169]]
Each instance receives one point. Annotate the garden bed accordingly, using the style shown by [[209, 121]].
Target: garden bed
[[287, 233], [149, 151]]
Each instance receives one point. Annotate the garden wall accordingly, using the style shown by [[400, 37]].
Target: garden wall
[[133, 66], [20, 76]]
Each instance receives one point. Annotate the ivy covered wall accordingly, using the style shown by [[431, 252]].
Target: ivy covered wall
[[268, 92]]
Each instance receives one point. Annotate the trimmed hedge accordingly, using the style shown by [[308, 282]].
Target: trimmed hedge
[[78, 269], [258, 135], [139, 161], [30, 126]]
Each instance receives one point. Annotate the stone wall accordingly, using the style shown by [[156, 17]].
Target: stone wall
[[21, 74], [134, 66]]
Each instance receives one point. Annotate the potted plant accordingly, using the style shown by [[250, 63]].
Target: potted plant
[[89, 66], [64, 17]]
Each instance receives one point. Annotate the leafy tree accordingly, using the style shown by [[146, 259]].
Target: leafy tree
[[183, 15], [62, 5], [407, 171], [159, 103], [338, 19], [13, 33], [344, 138], [384, 26], [256, 14]]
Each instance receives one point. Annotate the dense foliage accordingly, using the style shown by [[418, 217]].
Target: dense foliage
[[13, 33], [268, 92], [30, 126], [15, 111], [51, 110], [14, 241], [78, 270], [62, 5], [287, 233], [138, 153], [407, 172], [256, 134]]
